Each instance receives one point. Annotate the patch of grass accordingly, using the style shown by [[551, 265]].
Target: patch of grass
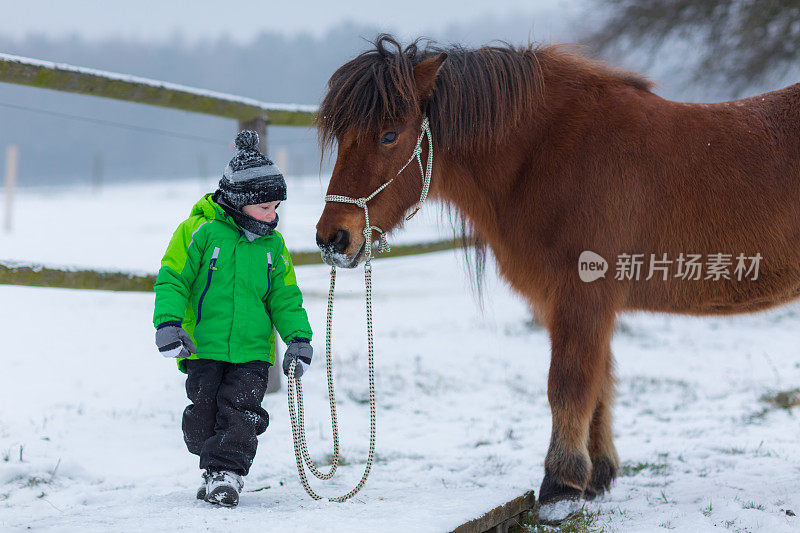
[[33, 481], [583, 522], [342, 460], [782, 399], [631, 469], [763, 452], [358, 397], [666, 525], [757, 417], [618, 511], [754, 505], [758, 451], [707, 510], [732, 450]]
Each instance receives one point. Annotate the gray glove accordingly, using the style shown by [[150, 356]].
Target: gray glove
[[299, 352], [173, 341]]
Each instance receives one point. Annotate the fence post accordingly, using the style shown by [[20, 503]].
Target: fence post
[[12, 155], [260, 125], [282, 159]]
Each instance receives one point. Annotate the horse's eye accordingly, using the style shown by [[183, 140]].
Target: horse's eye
[[389, 137]]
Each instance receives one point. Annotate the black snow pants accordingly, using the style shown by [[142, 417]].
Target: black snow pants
[[223, 422]]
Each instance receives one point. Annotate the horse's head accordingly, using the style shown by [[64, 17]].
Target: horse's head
[[373, 110]]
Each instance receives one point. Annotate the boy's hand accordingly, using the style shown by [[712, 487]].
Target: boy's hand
[[299, 352], [173, 341]]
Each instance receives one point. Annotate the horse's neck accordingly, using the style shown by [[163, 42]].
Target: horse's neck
[[470, 187]]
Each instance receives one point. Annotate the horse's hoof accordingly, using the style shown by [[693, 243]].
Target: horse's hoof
[[553, 513]]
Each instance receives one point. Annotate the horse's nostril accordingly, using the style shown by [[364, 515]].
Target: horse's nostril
[[337, 243], [341, 241]]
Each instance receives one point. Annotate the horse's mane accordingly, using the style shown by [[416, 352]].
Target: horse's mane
[[478, 93]]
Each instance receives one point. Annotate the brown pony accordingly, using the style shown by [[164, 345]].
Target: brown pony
[[547, 154]]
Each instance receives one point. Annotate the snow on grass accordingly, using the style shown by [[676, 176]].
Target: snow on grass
[[90, 437]]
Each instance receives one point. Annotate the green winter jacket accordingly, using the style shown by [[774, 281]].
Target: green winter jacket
[[228, 292]]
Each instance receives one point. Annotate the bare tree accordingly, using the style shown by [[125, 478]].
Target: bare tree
[[740, 41]]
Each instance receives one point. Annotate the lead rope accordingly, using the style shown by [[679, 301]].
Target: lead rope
[[301, 453]]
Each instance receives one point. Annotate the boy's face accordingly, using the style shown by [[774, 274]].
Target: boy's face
[[263, 212]]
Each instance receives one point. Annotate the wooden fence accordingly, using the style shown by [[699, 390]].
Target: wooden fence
[[250, 114], [44, 276]]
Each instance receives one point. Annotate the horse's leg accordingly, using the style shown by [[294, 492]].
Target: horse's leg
[[603, 454], [580, 332]]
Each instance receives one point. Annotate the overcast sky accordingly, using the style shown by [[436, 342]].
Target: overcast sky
[[243, 19]]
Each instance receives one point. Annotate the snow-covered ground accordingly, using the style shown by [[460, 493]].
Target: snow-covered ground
[[90, 413]]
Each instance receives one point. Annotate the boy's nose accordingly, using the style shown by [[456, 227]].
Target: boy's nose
[[337, 242]]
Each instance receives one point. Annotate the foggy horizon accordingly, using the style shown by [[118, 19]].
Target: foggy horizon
[[157, 22]]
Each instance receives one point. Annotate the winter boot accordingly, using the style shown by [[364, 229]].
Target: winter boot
[[202, 489], [223, 488]]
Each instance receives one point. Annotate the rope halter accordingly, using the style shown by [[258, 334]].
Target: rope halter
[[362, 202]]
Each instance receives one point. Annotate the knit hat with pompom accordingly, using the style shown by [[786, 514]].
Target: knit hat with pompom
[[250, 177]]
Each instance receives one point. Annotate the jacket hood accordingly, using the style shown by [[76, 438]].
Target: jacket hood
[[208, 208]]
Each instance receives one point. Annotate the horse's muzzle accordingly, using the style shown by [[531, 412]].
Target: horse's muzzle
[[333, 250]]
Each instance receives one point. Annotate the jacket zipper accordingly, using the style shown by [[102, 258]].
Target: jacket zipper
[[269, 271], [211, 269]]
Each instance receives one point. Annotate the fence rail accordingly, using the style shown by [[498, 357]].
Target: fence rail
[[250, 113], [501, 518], [43, 276], [81, 80]]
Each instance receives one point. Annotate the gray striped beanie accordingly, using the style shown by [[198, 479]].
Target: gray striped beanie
[[250, 177]]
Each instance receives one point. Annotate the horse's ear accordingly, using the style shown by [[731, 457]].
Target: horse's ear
[[425, 74]]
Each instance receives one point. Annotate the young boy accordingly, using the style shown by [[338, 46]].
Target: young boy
[[226, 279]]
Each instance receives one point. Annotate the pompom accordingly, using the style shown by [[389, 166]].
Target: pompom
[[246, 140]]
